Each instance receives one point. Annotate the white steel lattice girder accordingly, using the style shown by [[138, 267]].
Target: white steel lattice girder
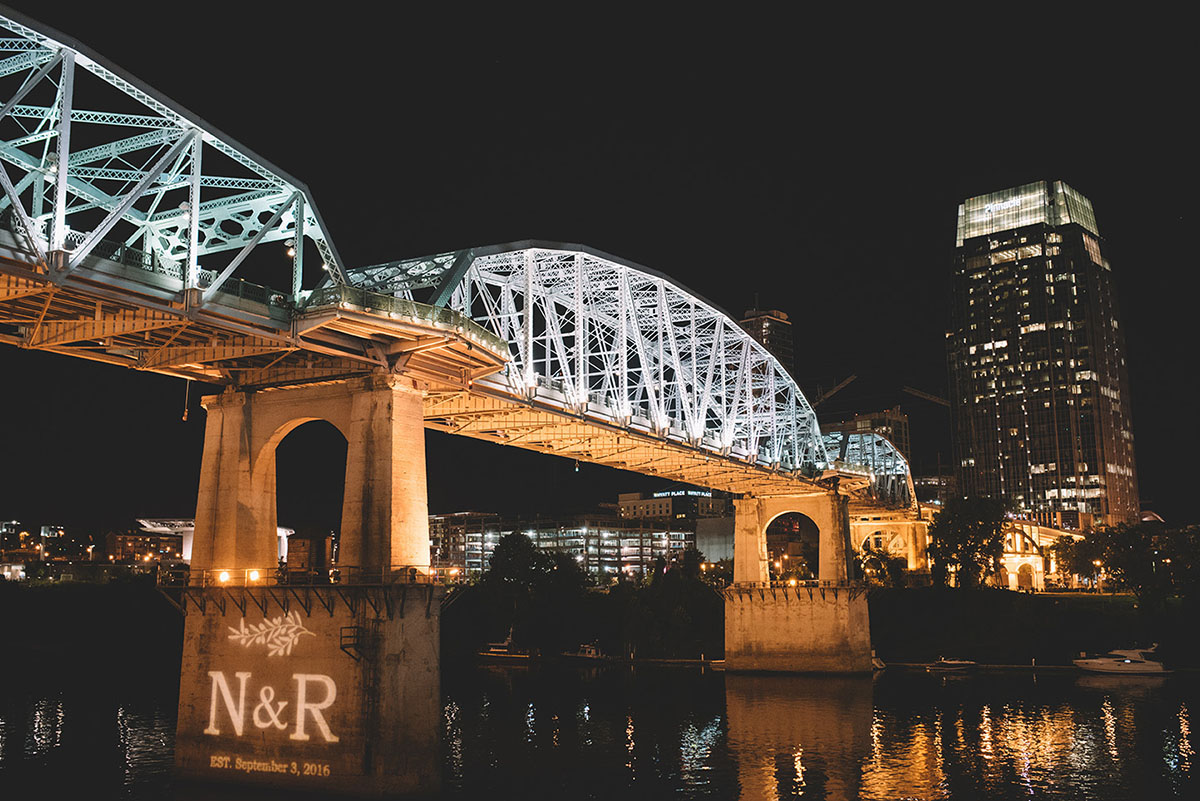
[[207, 199], [614, 342], [610, 342], [891, 478]]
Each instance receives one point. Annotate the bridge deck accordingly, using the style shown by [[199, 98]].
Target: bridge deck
[[250, 336]]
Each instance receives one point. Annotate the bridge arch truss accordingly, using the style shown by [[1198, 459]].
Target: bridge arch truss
[[94, 163], [608, 340]]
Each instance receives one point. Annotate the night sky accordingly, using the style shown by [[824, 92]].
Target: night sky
[[815, 164]]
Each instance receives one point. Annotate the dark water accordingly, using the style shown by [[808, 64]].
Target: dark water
[[616, 733]]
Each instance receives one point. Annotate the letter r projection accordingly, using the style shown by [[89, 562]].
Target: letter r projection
[[303, 706]]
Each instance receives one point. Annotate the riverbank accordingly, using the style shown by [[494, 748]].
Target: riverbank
[[119, 628], [918, 625], [129, 625]]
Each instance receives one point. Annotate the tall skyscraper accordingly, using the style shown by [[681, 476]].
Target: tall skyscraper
[[1038, 385]]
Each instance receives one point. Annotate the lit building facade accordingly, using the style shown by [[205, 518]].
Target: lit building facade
[[603, 546], [144, 546], [1038, 384], [10, 534], [673, 504]]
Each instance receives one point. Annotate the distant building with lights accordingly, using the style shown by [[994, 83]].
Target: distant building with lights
[[182, 528], [10, 534], [1039, 389], [603, 545], [936, 489], [891, 423], [772, 329], [144, 546], [681, 503]]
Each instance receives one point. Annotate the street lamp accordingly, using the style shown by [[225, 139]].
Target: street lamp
[[1097, 564]]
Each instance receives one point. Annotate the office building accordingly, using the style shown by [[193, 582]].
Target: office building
[[1038, 384]]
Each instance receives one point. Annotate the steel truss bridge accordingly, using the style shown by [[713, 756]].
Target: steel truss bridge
[[127, 223]]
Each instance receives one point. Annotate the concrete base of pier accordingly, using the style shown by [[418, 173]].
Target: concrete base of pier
[[800, 629], [325, 688]]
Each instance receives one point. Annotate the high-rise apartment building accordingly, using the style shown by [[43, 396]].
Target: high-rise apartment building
[[1038, 385]]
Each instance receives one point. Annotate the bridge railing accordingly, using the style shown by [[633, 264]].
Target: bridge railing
[[150, 262], [345, 297], [316, 577], [815, 583]]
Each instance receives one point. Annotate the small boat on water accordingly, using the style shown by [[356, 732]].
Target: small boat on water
[[1128, 662], [944, 665], [503, 651], [589, 652]]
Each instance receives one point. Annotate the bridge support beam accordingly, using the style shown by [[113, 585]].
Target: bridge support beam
[[821, 628], [313, 685]]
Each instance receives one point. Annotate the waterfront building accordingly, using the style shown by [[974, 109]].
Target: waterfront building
[[772, 329], [603, 545], [144, 546], [675, 503], [463, 540], [1038, 384], [185, 527]]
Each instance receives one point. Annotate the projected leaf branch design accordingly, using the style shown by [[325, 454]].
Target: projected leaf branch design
[[279, 634]]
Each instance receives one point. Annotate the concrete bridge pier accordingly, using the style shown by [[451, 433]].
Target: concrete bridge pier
[[807, 628], [324, 684]]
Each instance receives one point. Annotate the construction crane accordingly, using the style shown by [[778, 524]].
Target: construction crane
[[924, 395], [833, 391]]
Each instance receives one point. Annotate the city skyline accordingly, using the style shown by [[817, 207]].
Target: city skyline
[[842, 223]]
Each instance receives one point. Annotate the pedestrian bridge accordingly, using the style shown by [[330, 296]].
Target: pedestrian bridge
[[129, 225]]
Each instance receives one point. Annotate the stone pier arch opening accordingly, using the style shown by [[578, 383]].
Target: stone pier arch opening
[[793, 547], [384, 520], [309, 460]]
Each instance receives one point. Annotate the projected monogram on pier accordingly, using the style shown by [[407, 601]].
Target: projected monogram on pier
[[300, 706], [267, 712]]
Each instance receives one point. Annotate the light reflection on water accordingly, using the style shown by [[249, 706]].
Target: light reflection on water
[[654, 733]]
